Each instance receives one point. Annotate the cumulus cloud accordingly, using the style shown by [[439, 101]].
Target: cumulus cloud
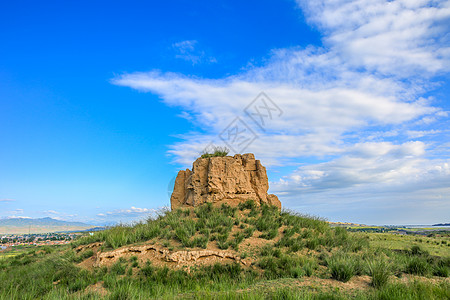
[[386, 164], [357, 103]]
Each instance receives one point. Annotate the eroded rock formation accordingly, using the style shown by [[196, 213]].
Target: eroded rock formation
[[228, 179], [160, 255]]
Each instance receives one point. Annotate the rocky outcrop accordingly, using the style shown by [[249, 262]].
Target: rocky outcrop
[[217, 180]]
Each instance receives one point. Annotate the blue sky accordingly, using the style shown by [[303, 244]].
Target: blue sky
[[102, 103]]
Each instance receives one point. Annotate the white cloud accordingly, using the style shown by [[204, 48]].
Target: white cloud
[[357, 102], [7, 200], [414, 134], [59, 215], [394, 167], [187, 50], [16, 213], [133, 211], [18, 217], [391, 37]]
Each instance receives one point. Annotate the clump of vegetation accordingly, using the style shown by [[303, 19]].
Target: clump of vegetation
[[286, 246], [417, 265], [216, 151], [379, 270], [342, 267]]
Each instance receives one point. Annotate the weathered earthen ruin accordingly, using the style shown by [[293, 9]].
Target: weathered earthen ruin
[[227, 179]]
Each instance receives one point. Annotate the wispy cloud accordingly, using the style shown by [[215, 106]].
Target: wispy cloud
[[130, 212], [188, 51], [397, 38], [7, 200], [16, 213], [59, 215]]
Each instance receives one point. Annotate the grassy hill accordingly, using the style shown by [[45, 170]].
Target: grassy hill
[[246, 252]]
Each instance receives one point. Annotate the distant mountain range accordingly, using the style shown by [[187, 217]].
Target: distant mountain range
[[442, 224], [40, 225], [39, 222]]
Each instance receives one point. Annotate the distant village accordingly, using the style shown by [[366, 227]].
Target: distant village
[[39, 239]]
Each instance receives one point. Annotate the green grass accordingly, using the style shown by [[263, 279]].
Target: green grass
[[216, 151], [380, 272], [293, 248], [438, 246], [341, 267]]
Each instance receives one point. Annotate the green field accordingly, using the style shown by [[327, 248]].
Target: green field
[[23, 250], [439, 246], [276, 255]]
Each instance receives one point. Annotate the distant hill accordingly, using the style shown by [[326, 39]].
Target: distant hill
[[40, 225], [442, 224]]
